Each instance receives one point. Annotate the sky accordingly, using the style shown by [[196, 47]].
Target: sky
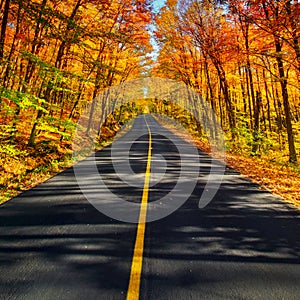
[[157, 5]]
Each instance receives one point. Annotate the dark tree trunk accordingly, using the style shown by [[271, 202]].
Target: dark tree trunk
[[3, 28], [286, 104]]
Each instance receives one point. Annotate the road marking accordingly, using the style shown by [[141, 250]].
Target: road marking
[[133, 292]]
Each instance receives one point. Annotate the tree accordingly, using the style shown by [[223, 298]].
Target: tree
[[60, 54], [3, 27], [274, 18]]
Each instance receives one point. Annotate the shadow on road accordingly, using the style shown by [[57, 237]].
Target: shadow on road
[[54, 242]]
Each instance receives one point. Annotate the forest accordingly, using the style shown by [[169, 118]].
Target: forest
[[242, 57]]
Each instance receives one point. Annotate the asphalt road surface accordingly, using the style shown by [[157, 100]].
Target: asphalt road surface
[[55, 245]]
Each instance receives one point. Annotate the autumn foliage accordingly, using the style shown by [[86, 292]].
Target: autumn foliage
[[243, 57], [55, 57]]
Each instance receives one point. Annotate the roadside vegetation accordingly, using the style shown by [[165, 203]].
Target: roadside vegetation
[[271, 169], [55, 57]]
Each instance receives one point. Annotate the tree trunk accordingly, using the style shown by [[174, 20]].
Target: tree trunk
[[3, 28], [31, 141], [256, 123], [250, 77], [286, 104], [228, 102], [8, 67], [268, 101], [243, 91]]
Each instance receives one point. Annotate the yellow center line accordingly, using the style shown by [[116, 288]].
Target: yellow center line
[[133, 292]]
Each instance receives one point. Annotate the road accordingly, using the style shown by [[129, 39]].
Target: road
[[55, 245]]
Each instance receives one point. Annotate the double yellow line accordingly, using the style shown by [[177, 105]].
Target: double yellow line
[[133, 292]]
